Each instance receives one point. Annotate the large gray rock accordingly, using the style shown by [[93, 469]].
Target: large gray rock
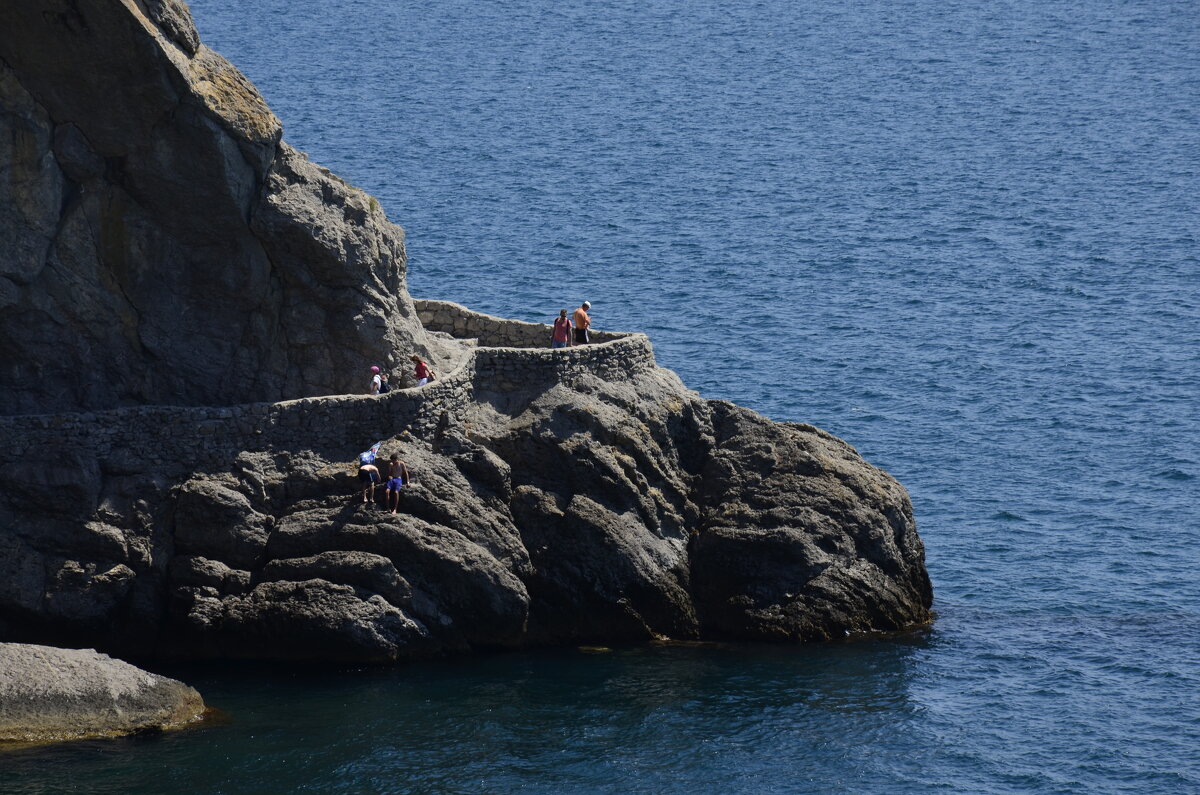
[[164, 243], [160, 244], [49, 694]]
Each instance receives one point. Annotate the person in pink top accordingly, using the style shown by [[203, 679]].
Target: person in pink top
[[421, 370], [561, 337]]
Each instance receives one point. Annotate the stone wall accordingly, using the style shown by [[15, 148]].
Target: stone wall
[[176, 440], [491, 331], [506, 369]]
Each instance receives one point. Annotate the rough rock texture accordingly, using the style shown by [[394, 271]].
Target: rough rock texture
[[66, 694], [579, 508], [582, 495], [160, 244]]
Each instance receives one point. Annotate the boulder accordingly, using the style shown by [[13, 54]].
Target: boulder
[[49, 694]]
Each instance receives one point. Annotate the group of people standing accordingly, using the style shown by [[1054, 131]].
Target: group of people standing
[[579, 323], [421, 372], [567, 331]]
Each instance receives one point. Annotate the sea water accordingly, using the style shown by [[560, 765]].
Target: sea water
[[962, 235]]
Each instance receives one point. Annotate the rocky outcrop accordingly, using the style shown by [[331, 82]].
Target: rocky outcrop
[[598, 501], [51, 694], [160, 244], [579, 495]]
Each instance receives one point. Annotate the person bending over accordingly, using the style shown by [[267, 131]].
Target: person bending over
[[368, 475]]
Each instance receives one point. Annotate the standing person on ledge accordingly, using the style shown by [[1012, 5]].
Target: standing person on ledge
[[561, 337], [398, 477], [582, 323], [421, 370], [376, 381]]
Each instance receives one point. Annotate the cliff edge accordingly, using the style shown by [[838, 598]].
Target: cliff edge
[[178, 478]]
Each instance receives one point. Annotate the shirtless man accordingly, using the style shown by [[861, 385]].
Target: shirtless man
[[368, 475], [397, 478], [582, 323]]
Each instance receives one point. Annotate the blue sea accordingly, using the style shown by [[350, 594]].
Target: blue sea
[[962, 235]]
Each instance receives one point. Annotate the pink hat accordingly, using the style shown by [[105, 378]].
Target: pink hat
[[374, 368]]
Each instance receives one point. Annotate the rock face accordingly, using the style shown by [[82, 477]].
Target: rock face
[[160, 244], [66, 694], [580, 495]]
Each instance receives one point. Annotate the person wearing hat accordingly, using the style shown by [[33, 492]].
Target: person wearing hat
[[582, 323], [376, 381]]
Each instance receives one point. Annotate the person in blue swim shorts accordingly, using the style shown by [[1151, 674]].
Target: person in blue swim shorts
[[398, 477]]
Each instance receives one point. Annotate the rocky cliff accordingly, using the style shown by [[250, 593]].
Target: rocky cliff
[[159, 235], [160, 244]]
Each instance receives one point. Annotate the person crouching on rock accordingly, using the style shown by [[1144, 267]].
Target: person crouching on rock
[[368, 475], [398, 478], [421, 371]]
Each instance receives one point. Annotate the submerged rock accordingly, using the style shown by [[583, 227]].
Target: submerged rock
[[171, 250], [49, 694]]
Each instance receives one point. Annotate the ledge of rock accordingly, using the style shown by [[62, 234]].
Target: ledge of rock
[[178, 476], [49, 694]]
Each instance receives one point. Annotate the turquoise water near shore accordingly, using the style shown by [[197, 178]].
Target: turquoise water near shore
[[961, 235]]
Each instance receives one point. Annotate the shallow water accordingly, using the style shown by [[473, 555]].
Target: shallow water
[[961, 235]]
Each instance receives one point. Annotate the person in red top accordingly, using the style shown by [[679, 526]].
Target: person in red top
[[561, 337], [582, 323], [421, 370]]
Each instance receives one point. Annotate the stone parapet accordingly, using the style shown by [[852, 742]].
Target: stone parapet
[[508, 369], [176, 440], [491, 331]]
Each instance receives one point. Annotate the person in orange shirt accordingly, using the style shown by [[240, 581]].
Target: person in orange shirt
[[582, 323]]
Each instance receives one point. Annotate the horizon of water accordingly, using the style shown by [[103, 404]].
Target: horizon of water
[[960, 235]]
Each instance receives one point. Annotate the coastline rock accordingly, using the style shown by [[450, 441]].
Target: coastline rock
[[158, 236], [49, 694], [169, 247]]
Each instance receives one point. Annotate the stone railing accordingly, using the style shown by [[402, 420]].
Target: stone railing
[[508, 369], [175, 440], [491, 331]]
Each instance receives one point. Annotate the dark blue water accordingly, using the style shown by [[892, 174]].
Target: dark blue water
[[961, 235]]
